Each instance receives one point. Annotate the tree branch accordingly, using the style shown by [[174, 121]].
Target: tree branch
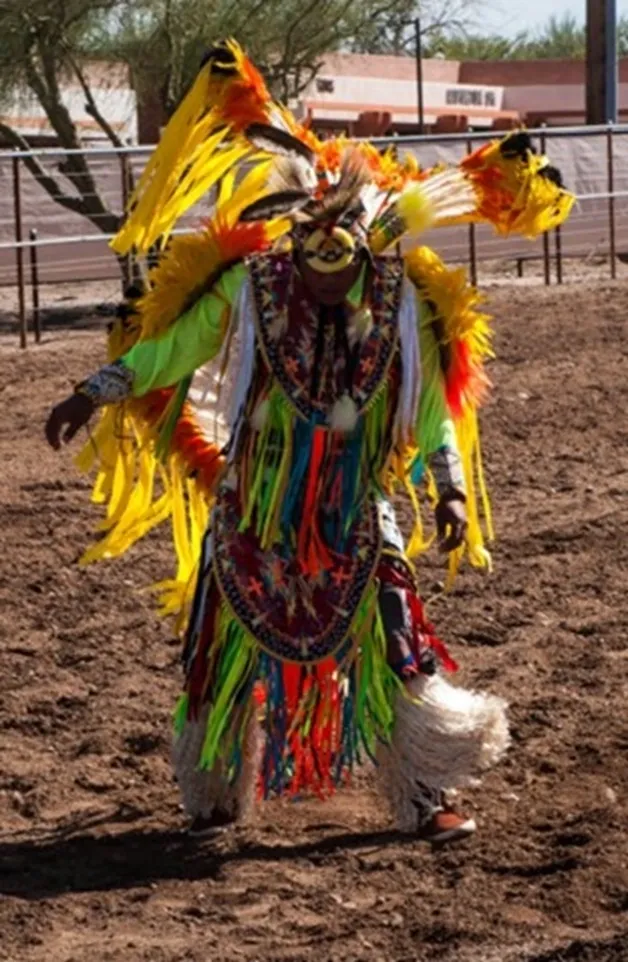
[[48, 62], [91, 107], [250, 15], [75, 167], [41, 175]]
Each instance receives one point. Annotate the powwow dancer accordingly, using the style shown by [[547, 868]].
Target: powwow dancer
[[352, 372]]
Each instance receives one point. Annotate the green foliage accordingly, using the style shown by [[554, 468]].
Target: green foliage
[[43, 42], [163, 40], [474, 47], [562, 38], [622, 37]]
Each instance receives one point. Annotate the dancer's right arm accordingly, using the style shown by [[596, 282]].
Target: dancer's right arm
[[195, 338]]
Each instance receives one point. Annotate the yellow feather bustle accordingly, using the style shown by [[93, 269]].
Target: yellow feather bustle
[[183, 272], [139, 491], [456, 304], [515, 192]]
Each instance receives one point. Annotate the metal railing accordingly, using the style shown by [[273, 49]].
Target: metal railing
[[43, 243]]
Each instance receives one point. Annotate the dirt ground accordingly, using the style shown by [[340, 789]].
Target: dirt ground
[[93, 865]]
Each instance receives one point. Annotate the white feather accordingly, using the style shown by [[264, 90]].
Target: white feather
[[344, 415], [444, 736]]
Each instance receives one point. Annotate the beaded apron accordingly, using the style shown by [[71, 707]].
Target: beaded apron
[[295, 614]]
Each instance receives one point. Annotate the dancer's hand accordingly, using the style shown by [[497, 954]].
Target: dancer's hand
[[71, 415], [451, 521]]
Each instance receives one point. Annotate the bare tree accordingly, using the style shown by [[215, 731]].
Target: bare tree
[[43, 43]]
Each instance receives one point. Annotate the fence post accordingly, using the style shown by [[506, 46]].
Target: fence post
[[35, 284], [127, 264], [473, 254], [611, 200], [19, 250], [559, 255], [547, 268]]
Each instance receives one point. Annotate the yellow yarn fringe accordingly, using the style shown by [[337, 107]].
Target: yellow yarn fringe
[[140, 494], [456, 303]]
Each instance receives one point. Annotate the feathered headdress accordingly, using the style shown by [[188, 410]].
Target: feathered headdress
[[228, 124]]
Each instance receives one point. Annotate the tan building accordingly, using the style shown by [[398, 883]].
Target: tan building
[[365, 94], [378, 94], [362, 95], [545, 91]]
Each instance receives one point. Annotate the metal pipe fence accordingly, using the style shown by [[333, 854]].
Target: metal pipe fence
[[43, 242]]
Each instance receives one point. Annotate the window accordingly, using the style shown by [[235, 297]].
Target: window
[[324, 85], [464, 98]]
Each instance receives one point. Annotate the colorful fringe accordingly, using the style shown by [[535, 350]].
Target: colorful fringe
[[317, 720]]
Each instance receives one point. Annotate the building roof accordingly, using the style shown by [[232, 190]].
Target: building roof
[[389, 67]]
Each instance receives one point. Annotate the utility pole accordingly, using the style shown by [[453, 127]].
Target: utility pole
[[602, 81]]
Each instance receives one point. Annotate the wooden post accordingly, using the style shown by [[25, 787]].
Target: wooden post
[[558, 240], [19, 250], [602, 81], [547, 267], [473, 254], [35, 285], [610, 166]]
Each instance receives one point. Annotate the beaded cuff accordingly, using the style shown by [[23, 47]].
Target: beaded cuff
[[110, 385], [446, 468], [391, 534]]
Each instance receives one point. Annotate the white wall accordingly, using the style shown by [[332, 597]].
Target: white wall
[[541, 97], [380, 92], [118, 105]]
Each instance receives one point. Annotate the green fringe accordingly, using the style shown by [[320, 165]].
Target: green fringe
[[272, 459], [236, 666], [173, 410], [375, 432], [377, 684], [180, 714], [371, 692]]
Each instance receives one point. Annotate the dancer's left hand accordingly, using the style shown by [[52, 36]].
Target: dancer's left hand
[[451, 522]]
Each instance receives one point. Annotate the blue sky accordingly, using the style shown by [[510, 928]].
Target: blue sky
[[511, 16]]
